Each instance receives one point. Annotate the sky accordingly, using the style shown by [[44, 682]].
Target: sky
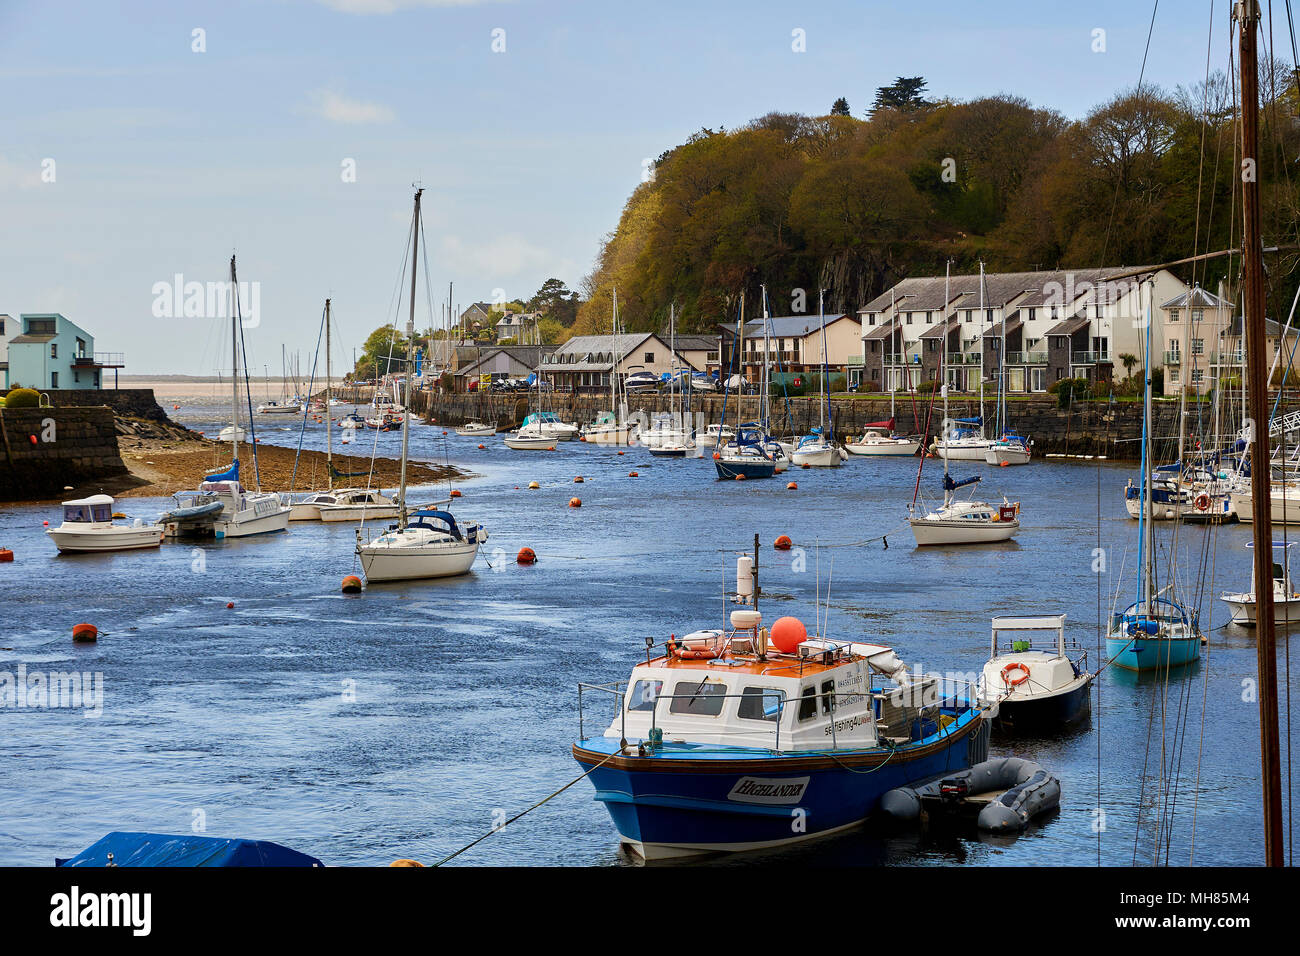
[[140, 141]]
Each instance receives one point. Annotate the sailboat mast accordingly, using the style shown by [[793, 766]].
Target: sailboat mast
[[982, 317], [1146, 545], [234, 356], [943, 371], [821, 311], [1261, 499], [410, 341], [329, 396]]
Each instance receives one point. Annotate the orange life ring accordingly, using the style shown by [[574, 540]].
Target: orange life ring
[[1202, 502], [1019, 680], [696, 654]]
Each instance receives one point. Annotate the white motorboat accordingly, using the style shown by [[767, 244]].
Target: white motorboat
[[548, 425], [1030, 685], [607, 430], [307, 507], [714, 436], [1284, 503], [1286, 600], [426, 543], [878, 439], [88, 526], [476, 429], [529, 441], [666, 431], [358, 504]]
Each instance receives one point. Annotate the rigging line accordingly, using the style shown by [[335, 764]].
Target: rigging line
[[302, 431], [1099, 657], [1110, 223], [1200, 170]]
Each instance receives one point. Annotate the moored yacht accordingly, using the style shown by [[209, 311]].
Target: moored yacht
[[966, 522], [878, 438], [1286, 600]]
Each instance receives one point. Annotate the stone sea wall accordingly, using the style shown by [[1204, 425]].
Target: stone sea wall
[[44, 450]]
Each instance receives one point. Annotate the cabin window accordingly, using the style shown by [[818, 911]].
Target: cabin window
[[828, 696], [698, 698], [644, 694], [808, 703], [761, 703]]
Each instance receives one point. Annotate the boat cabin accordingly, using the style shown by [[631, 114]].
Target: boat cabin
[[97, 509], [1028, 656], [821, 697]]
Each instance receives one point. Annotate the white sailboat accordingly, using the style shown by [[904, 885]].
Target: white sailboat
[[243, 513], [427, 542], [670, 435], [817, 449], [961, 522], [963, 438], [612, 427]]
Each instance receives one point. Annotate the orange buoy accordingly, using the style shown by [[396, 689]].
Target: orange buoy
[[455, 493], [406, 863], [717, 456], [351, 584], [6, 555], [33, 438], [582, 438], [579, 480], [740, 477], [526, 556], [229, 605], [575, 502], [621, 453], [533, 485], [46, 523], [787, 634], [85, 633], [482, 446], [632, 474], [783, 543], [792, 487], [175, 407], [805, 465]]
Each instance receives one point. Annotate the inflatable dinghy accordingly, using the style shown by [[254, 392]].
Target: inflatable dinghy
[[1008, 792]]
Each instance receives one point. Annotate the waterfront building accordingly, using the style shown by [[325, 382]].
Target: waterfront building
[[1055, 324], [47, 351], [585, 362], [501, 362]]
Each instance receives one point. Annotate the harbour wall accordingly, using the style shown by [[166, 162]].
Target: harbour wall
[[45, 450], [1086, 428]]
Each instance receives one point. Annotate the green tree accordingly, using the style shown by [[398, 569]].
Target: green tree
[[906, 95], [384, 351], [840, 107]]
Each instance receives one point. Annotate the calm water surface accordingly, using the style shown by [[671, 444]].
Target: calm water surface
[[242, 720]]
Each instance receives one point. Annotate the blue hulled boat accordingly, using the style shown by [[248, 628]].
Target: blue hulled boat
[[739, 739], [746, 455]]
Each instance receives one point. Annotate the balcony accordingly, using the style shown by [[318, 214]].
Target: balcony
[[963, 358], [99, 360], [1174, 358], [1090, 358], [1225, 358], [1026, 358], [856, 360], [901, 358]]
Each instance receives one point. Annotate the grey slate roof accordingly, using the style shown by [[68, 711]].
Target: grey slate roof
[[1196, 298], [594, 353], [926, 293], [791, 326]]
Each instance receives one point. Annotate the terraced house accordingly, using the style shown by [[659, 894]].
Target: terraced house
[[1035, 328]]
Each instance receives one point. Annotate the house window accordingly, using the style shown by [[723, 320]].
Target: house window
[[1037, 380], [1197, 315], [1173, 376], [1173, 315], [907, 318], [969, 315], [698, 698], [649, 356], [1197, 376], [1198, 346], [54, 380], [988, 315], [1031, 314], [54, 350]]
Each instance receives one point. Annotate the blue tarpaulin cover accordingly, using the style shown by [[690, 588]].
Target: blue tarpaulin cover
[[162, 849], [230, 474]]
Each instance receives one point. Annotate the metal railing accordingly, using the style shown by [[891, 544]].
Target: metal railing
[[1089, 358], [1174, 358], [963, 358], [1026, 358]]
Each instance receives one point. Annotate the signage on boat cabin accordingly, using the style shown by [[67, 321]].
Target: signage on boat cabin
[[769, 789]]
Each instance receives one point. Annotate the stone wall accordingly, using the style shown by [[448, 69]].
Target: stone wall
[[129, 402], [44, 450], [1087, 428]]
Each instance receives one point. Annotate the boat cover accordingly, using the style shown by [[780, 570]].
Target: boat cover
[[230, 474], [887, 426], [162, 849], [950, 485]]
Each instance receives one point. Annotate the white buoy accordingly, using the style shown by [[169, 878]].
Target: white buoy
[[745, 577]]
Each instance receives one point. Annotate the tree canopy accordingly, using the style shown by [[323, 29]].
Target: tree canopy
[[853, 205]]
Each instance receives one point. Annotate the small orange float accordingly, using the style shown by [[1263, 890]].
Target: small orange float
[[526, 556], [6, 555], [793, 486], [575, 502], [783, 543], [351, 584], [85, 633], [454, 494]]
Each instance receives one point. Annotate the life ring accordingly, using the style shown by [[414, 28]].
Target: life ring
[[1202, 502], [1019, 680], [696, 654]]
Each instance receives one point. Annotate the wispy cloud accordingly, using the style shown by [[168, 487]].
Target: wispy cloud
[[369, 7], [339, 109]]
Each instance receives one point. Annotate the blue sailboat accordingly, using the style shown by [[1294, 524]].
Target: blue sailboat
[[1154, 632]]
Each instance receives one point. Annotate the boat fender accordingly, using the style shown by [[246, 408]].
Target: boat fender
[[1015, 665]]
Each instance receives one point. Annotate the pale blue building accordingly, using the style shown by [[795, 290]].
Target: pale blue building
[[47, 351]]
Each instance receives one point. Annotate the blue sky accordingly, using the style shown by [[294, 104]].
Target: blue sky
[[167, 160]]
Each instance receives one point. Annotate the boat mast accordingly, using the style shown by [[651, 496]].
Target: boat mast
[[329, 397], [943, 374], [982, 316], [1248, 13], [1145, 545], [234, 356], [824, 403], [410, 339], [767, 359], [613, 353]]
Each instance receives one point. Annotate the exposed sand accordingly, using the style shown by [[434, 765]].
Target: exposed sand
[[168, 467]]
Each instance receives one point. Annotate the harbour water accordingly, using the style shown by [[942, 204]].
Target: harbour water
[[411, 719]]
